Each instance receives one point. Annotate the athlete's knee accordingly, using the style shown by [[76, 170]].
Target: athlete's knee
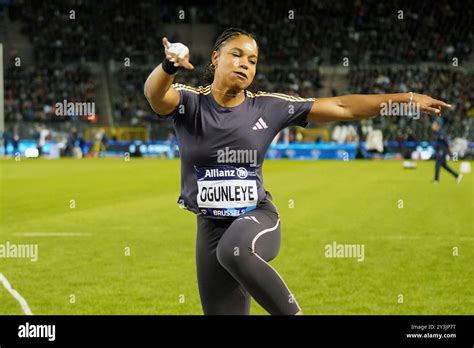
[[232, 252]]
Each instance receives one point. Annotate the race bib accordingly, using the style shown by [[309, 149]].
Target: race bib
[[226, 191]]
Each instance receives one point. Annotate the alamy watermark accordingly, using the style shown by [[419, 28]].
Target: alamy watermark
[[391, 108], [335, 250], [37, 331], [241, 156], [23, 251], [68, 108]]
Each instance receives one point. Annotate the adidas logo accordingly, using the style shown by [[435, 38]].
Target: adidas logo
[[260, 124]]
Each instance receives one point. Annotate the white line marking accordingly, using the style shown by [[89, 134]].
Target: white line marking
[[255, 219], [16, 295], [265, 262], [52, 234], [263, 232], [281, 278]]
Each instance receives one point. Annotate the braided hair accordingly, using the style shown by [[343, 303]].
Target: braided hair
[[221, 41]]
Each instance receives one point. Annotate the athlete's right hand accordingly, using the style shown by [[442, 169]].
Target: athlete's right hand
[[177, 53]]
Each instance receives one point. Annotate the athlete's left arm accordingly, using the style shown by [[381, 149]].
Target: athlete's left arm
[[359, 106]]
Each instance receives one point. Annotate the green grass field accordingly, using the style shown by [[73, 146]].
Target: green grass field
[[121, 205]]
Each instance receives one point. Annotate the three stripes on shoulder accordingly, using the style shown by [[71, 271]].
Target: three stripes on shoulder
[[199, 90], [207, 89]]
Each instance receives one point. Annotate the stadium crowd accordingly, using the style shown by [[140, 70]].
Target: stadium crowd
[[295, 40], [367, 32], [452, 85], [32, 92]]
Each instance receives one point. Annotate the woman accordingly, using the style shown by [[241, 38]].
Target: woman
[[219, 127]]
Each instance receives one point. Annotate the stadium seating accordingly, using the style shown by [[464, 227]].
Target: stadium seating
[[295, 41]]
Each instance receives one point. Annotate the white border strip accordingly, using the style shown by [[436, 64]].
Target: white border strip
[[16, 295]]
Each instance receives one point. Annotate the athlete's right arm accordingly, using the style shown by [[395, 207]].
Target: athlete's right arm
[[163, 98]]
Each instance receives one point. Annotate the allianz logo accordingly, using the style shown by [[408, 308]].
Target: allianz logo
[[241, 173]]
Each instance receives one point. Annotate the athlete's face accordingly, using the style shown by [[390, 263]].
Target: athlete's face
[[236, 62]]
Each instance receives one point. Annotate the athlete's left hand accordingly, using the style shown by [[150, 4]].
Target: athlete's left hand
[[428, 104]]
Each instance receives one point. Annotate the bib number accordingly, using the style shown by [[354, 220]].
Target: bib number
[[226, 191]]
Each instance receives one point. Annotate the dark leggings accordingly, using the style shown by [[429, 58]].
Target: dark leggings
[[232, 264], [441, 162]]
